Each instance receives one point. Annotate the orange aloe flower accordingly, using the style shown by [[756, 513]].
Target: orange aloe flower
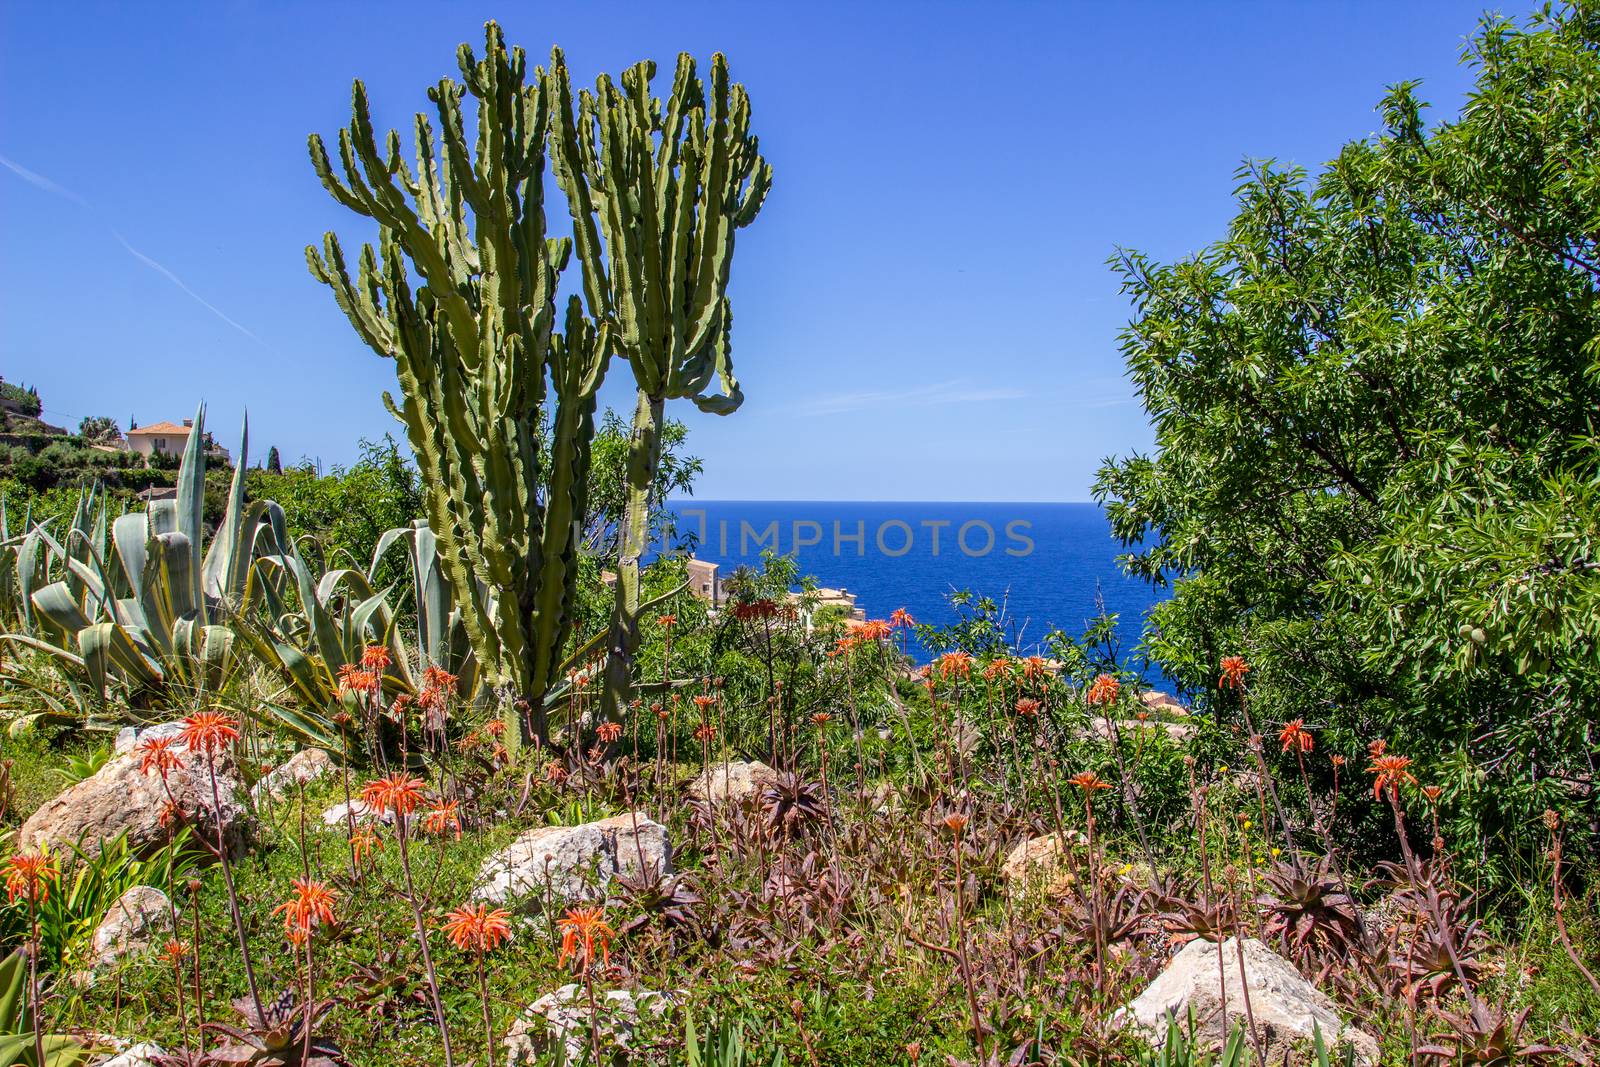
[[996, 668], [443, 818], [901, 619], [1234, 668], [554, 772], [955, 822], [705, 732], [28, 877], [309, 905], [1296, 736], [1377, 748], [174, 951], [874, 630], [399, 793], [1034, 667], [704, 701], [375, 657], [477, 929], [1089, 782], [582, 929], [1103, 691], [1027, 706], [363, 843], [353, 679], [155, 754], [1433, 793], [954, 665], [608, 731], [821, 718], [1336, 760], [667, 620], [209, 732], [1390, 773]]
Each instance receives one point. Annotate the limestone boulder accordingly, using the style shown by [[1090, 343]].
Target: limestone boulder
[[735, 781], [1041, 861], [341, 815], [574, 863], [139, 921], [144, 1054], [304, 767], [1285, 1006], [122, 799], [563, 1016]]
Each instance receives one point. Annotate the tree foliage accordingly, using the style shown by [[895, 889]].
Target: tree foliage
[[1376, 471]]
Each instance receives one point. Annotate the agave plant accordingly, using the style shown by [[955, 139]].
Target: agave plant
[[19, 1044], [790, 803], [147, 609], [276, 1037]]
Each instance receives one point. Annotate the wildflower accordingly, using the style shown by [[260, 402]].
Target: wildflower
[[309, 905], [582, 929], [477, 929], [1028, 707], [28, 877], [667, 620], [363, 843], [821, 718], [954, 665], [443, 817], [1391, 773], [1552, 821], [1089, 782], [1377, 748], [174, 951], [1234, 668], [901, 619], [399, 793], [209, 732], [1103, 691], [660, 710], [703, 701], [554, 773], [353, 679], [705, 732], [155, 754], [914, 1052], [439, 680], [469, 742], [1432, 792], [1245, 823], [996, 668], [608, 731], [496, 728], [1222, 768], [170, 815], [1296, 736], [955, 822], [874, 630], [1034, 667], [375, 657], [1337, 761], [843, 646], [1277, 852]]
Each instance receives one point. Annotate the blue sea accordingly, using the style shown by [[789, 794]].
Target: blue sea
[[1047, 562]]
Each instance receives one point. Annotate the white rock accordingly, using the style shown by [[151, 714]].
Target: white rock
[[141, 1055], [302, 768], [129, 736], [564, 1016], [1285, 1006], [737, 780], [139, 919], [335, 816], [120, 798], [570, 863]]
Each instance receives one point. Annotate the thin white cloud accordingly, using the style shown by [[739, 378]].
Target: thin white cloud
[[955, 391], [39, 181], [181, 284]]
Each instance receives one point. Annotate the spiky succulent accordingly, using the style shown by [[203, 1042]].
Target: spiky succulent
[[790, 803], [1308, 909]]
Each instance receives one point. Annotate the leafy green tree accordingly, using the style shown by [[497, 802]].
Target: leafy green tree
[[1376, 459], [608, 481]]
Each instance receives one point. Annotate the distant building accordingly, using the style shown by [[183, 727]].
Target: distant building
[[704, 583], [841, 598], [168, 439]]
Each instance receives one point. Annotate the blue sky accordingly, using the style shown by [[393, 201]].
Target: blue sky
[[922, 310]]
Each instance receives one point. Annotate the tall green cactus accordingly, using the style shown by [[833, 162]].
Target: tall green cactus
[[473, 347], [667, 189]]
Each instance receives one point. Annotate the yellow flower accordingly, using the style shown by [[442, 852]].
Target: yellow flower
[[1277, 852], [1247, 824], [1223, 769]]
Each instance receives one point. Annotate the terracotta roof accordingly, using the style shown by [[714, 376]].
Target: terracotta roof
[[167, 428]]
